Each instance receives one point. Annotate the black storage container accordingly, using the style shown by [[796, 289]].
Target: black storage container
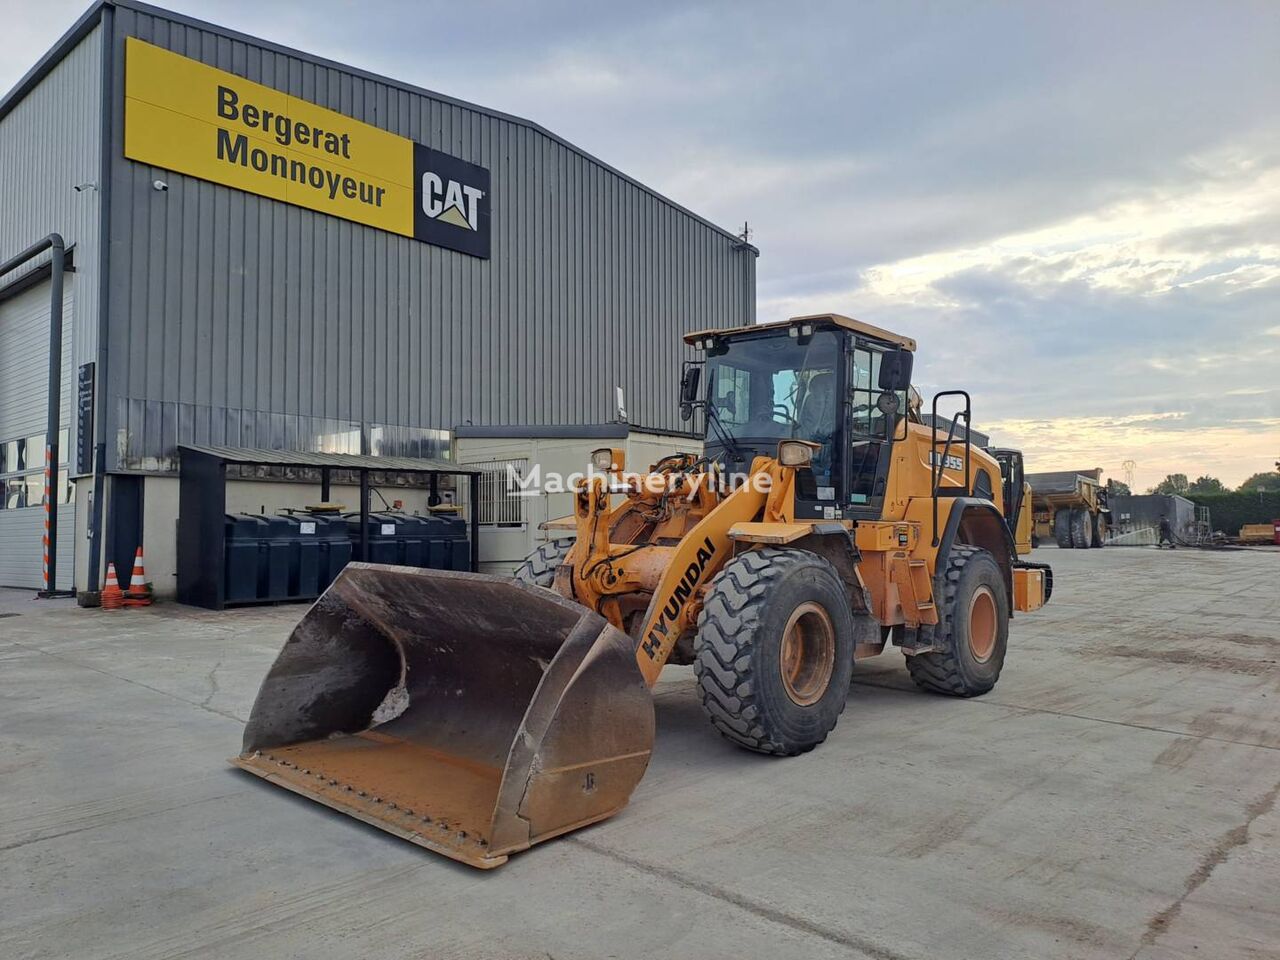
[[450, 549], [334, 545], [432, 541], [386, 534], [244, 536], [276, 557], [298, 533], [415, 541], [286, 557]]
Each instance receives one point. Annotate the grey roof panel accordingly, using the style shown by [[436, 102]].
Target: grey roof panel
[[341, 461], [581, 431]]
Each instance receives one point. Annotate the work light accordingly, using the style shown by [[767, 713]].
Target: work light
[[606, 459], [796, 453]]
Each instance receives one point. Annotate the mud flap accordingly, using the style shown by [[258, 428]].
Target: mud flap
[[473, 715]]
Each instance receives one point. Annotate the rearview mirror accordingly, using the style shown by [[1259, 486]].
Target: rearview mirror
[[689, 384], [689, 389], [895, 370]]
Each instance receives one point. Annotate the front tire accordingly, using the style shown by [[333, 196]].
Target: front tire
[[973, 630], [1099, 530], [774, 651]]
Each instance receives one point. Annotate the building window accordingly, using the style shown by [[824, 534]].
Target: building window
[[22, 472], [500, 502]]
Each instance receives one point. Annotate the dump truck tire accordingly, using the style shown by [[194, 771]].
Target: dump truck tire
[[539, 567], [1081, 529], [1062, 528], [973, 631], [774, 651], [1099, 530]]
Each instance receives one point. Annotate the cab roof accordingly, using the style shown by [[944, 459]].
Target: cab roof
[[834, 319]]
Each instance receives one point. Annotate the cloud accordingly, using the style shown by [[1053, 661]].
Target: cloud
[[1075, 208], [1140, 245]]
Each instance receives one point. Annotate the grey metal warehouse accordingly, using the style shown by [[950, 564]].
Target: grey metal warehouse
[[271, 250]]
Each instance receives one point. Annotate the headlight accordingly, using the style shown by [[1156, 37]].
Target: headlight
[[607, 460], [796, 453]]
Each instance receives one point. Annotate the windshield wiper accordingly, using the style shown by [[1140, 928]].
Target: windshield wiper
[[723, 434]]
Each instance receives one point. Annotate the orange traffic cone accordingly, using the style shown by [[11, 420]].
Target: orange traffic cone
[[138, 594], [112, 597]]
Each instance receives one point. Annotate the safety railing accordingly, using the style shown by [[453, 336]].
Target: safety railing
[[940, 459]]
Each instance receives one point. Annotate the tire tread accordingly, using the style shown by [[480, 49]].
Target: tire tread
[[539, 567], [939, 672], [723, 664]]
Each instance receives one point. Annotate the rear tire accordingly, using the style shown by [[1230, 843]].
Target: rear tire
[[1081, 529], [973, 631], [774, 651], [1062, 528], [539, 567]]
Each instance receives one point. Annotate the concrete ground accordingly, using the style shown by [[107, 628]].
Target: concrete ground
[[1115, 796]]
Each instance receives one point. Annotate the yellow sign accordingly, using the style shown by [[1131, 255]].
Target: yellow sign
[[191, 118]]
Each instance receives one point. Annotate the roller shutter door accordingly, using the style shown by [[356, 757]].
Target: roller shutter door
[[24, 372]]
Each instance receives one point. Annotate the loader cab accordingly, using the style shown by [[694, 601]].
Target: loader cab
[[831, 381]]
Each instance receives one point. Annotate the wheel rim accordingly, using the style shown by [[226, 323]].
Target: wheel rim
[[983, 624], [808, 654]]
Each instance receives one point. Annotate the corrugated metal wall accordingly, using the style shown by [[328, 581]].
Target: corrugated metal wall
[[49, 143], [237, 319]]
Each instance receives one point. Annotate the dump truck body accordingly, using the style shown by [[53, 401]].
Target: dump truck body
[[1070, 508]]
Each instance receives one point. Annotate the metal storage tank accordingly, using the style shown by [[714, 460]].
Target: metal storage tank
[[217, 309]]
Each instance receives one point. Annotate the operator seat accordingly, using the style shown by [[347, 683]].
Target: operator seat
[[817, 413], [816, 418]]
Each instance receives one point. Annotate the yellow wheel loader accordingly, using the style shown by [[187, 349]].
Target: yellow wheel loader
[[477, 715]]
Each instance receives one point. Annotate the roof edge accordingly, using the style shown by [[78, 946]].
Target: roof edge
[[564, 431], [836, 319], [257, 456]]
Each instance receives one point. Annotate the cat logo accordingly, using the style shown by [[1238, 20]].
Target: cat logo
[[451, 197], [451, 202]]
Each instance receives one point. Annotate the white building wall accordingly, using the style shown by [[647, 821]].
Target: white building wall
[[503, 548]]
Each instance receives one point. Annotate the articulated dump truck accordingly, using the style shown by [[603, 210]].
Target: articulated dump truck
[[1070, 507], [823, 523]]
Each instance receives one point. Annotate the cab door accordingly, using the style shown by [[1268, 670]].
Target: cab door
[[869, 431]]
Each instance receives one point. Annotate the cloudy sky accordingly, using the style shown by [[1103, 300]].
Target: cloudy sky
[[1075, 208]]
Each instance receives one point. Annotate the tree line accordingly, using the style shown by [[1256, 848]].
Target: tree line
[[1178, 483]]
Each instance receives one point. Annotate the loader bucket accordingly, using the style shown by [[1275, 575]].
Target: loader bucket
[[470, 714]]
